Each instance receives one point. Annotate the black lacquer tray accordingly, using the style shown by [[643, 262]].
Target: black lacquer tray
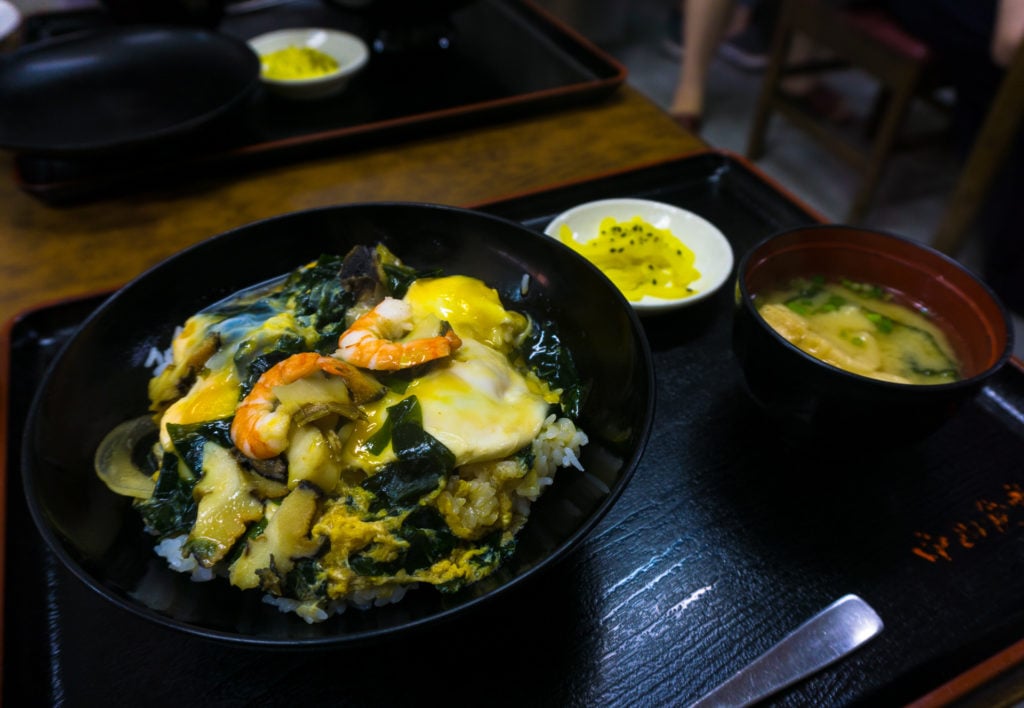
[[502, 59], [725, 540]]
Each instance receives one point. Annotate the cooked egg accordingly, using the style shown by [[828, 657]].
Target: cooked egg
[[213, 396], [473, 309], [479, 406], [476, 404]]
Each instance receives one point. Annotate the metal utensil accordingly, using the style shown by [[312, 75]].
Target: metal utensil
[[827, 637]]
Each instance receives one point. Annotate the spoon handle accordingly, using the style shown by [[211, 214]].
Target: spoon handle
[[827, 637]]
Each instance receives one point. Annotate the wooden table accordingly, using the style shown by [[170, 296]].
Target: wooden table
[[49, 253]]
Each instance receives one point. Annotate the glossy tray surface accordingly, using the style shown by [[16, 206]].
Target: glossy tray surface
[[724, 541], [502, 59]]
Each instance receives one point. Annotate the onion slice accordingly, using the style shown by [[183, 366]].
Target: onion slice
[[114, 458]]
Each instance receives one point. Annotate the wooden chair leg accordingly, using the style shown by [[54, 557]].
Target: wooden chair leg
[[1001, 127], [771, 83], [897, 105]]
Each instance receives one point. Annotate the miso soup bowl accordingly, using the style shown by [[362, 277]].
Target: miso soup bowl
[[810, 400]]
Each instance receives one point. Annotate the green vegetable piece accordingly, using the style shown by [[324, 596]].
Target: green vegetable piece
[[306, 582], [400, 485], [801, 306], [551, 360], [882, 323], [320, 300], [429, 538], [496, 552], [378, 442], [422, 460], [408, 438], [170, 510], [254, 360], [190, 438], [398, 278]]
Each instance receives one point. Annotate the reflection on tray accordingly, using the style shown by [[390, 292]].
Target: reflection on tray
[[499, 59]]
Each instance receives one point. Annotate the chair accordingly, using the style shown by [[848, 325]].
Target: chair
[[1002, 125], [862, 38]]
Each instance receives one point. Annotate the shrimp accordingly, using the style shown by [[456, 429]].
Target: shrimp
[[260, 431], [369, 342]]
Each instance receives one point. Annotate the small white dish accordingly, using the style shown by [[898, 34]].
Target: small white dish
[[347, 49], [713, 257]]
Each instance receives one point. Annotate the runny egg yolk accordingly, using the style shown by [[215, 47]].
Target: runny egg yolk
[[639, 258], [473, 309]]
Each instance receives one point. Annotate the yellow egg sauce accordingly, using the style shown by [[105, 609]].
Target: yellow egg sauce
[[478, 406], [296, 63], [341, 508], [641, 259]]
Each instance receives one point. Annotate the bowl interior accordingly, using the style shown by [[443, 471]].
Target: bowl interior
[[100, 379], [713, 254], [961, 305]]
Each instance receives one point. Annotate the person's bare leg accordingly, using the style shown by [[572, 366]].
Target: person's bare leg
[[704, 25]]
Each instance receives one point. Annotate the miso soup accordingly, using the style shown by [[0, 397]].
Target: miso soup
[[860, 328]]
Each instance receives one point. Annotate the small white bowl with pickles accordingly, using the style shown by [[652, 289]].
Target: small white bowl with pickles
[[309, 62], [651, 269]]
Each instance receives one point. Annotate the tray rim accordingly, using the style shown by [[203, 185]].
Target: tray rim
[[959, 686]]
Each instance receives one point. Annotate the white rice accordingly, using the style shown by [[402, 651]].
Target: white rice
[[170, 550], [557, 445], [362, 599]]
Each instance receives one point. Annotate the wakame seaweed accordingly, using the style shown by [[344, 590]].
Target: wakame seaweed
[[189, 439], [401, 484], [171, 509], [428, 536], [552, 361], [428, 540], [306, 581], [422, 459], [398, 278], [320, 299], [254, 360], [408, 438]]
